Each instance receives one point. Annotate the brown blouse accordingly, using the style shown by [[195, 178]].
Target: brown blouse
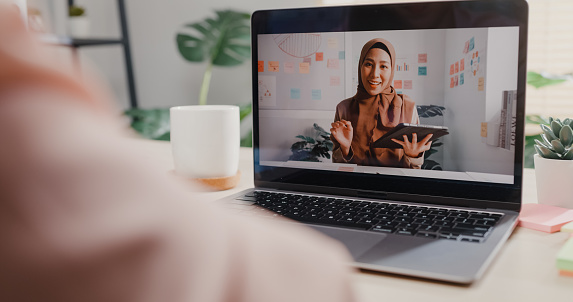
[[364, 114]]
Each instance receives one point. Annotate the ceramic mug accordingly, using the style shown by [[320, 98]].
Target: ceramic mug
[[205, 140]]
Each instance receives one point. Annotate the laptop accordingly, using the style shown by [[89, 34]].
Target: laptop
[[443, 214]]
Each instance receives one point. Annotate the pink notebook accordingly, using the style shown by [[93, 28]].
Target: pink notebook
[[544, 218]]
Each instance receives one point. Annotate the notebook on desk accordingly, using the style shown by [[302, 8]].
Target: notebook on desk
[[442, 213]]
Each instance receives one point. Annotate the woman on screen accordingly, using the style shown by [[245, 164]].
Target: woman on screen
[[373, 111]]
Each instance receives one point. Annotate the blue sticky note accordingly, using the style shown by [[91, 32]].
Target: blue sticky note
[[472, 43], [316, 94], [399, 92], [478, 59], [422, 70], [461, 78], [472, 62], [341, 55], [295, 94]]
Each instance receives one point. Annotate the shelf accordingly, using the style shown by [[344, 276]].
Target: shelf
[[77, 42]]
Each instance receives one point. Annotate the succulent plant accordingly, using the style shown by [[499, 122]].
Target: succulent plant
[[557, 138]]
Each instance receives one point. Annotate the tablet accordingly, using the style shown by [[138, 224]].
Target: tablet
[[402, 129]]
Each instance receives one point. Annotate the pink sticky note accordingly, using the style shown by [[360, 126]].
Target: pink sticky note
[[332, 63], [452, 69], [457, 68], [398, 84], [274, 66], [335, 81], [544, 218], [319, 56], [462, 63], [423, 58], [304, 67], [289, 67], [307, 60], [408, 84]]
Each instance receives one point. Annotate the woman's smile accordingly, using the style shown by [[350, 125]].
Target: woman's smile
[[376, 71]]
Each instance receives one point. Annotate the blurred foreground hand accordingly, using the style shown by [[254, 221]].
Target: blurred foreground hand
[[84, 215]]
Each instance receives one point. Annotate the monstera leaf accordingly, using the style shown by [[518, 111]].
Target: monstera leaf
[[222, 41]]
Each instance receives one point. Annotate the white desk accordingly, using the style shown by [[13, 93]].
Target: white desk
[[523, 271]]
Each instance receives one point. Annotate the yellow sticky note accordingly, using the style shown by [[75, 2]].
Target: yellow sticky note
[[304, 67], [274, 66], [567, 228], [332, 43], [481, 84], [483, 129]]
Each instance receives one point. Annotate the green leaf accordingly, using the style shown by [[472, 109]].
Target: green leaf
[[538, 80], [546, 153], [535, 119], [566, 136], [550, 135], [223, 40], [557, 146], [546, 145], [568, 155], [529, 150], [245, 110], [247, 140], [556, 127], [150, 123]]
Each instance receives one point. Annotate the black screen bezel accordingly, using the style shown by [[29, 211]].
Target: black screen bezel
[[409, 16]]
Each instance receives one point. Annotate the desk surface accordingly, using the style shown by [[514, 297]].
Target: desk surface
[[524, 270]]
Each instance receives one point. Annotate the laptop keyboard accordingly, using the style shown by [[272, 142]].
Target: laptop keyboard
[[383, 217]]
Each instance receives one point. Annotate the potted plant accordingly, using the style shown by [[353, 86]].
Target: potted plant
[[312, 148], [554, 163], [78, 22], [222, 41]]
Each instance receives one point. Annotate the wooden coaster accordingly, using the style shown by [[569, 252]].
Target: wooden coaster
[[215, 183], [220, 183]]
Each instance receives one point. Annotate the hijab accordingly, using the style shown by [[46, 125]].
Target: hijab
[[389, 104]]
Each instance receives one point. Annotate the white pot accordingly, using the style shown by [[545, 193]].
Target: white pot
[[554, 179], [79, 27]]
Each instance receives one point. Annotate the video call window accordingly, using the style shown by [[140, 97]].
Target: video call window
[[325, 98]]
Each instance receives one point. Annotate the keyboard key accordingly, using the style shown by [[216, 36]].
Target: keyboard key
[[383, 229]]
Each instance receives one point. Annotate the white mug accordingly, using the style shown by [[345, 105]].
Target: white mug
[[205, 140]]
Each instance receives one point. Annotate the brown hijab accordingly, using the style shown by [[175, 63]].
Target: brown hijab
[[389, 103]]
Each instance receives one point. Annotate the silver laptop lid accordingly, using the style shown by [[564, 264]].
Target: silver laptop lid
[[458, 65]]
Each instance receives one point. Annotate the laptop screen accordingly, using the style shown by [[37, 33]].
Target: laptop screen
[[331, 83]]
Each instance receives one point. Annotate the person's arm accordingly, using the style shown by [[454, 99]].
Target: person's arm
[[86, 216]]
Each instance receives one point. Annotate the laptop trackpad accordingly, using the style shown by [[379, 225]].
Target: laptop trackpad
[[357, 242]]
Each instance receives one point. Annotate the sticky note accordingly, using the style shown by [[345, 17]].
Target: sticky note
[[274, 66], [481, 84], [423, 58], [474, 72], [335, 81], [566, 273], [457, 67], [289, 67], [483, 129], [462, 62], [333, 63], [452, 69], [422, 70], [467, 47], [261, 65], [565, 256], [477, 53], [307, 60], [304, 67], [567, 228], [397, 84], [332, 43], [456, 80], [543, 217], [451, 82], [472, 44], [295, 94], [462, 78], [408, 84], [316, 94], [341, 55], [478, 59], [398, 92], [319, 56]]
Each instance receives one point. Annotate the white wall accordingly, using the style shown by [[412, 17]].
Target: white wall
[[163, 77]]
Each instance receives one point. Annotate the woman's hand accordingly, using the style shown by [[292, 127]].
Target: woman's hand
[[415, 148], [342, 132]]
